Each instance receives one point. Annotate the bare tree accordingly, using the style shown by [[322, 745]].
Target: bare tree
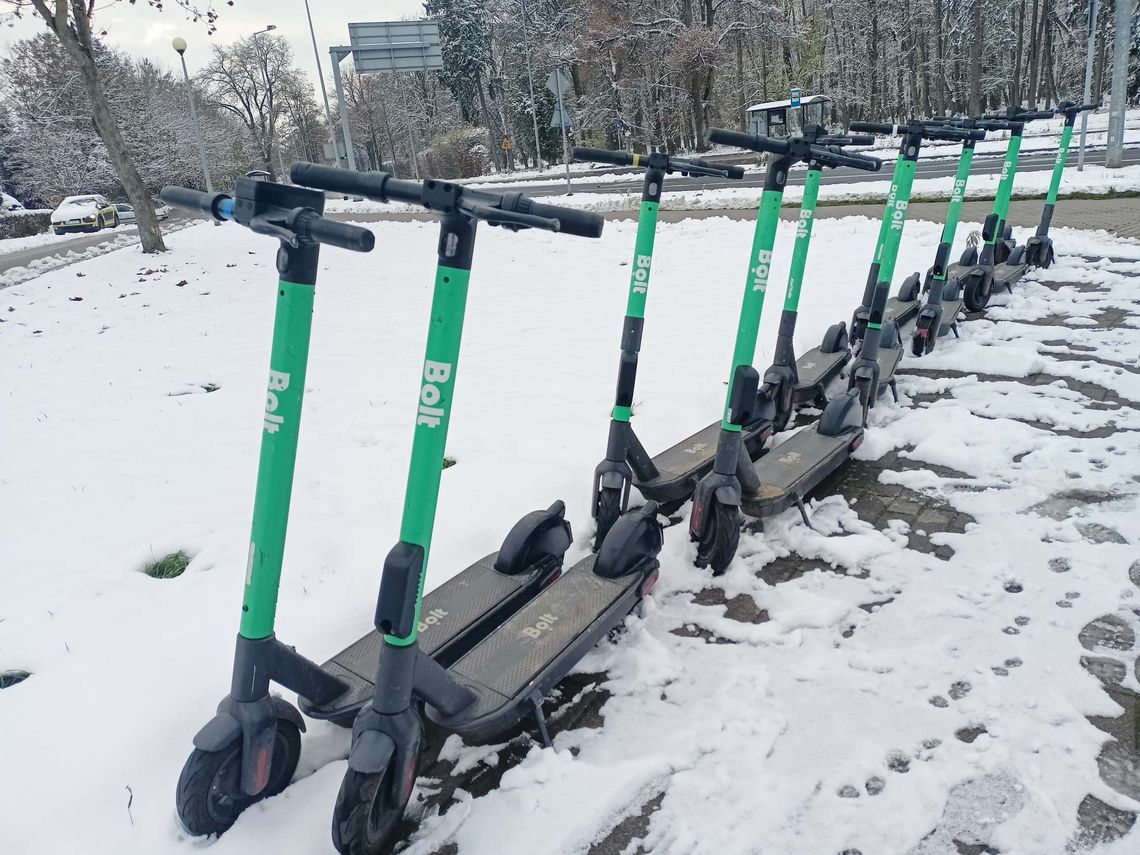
[[70, 21]]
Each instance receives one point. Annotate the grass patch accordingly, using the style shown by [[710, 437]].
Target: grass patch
[[11, 678], [448, 462], [170, 567]]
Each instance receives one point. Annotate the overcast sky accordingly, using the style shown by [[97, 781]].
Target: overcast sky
[[142, 31]]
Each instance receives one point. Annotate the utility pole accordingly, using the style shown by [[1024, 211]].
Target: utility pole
[[324, 90], [1088, 84], [179, 44], [337, 54], [533, 103], [1114, 157]]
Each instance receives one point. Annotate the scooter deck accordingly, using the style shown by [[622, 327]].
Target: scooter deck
[[888, 359], [522, 659], [795, 467], [1006, 274], [815, 369], [950, 311], [681, 466], [453, 618], [901, 311]]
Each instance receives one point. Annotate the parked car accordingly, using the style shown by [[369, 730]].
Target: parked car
[[10, 203], [84, 214], [126, 212]]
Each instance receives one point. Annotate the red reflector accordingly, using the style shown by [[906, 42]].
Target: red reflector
[[856, 442], [649, 582], [262, 767]]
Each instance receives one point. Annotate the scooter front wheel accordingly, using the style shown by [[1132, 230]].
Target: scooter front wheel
[[609, 509], [976, 294], [209, 797], [720, 537], [368, 809]]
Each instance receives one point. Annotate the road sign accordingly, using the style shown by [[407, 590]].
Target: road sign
[[558, 82], [393, 46], [795, 94], [561, 118], [340, 152], [506, 146]]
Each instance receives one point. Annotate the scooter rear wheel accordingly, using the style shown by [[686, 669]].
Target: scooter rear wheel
[[366, 816], [209, 797], [720, 537]]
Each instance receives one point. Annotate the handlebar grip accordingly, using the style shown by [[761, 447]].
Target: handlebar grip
[[749, 141], [1033, 115], [857, 139], [734, 171], [603, 155], [859, 161], [872, 127], [195, 201], [570, 220], [341, 234]]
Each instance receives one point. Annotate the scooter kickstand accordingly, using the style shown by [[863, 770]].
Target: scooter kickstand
[[540, 720], [954, 329], [894, 390], [803, 511]]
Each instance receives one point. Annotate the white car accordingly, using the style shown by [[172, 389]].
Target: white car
[[84, 214], [126, 212], [10, 203]]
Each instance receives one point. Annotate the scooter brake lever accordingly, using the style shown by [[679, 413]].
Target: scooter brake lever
[[273, 225]]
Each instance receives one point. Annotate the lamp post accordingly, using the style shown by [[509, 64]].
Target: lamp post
[[533, 103], [179, 44], [324, 90], [268, 86]]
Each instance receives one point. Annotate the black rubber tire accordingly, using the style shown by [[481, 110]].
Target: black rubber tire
[[115, 222], [364, 822], [720, 539], [609, 509], [1046, 260], [977, 292], [1007, 232], [863, 387], [209, 798], [835, 339]]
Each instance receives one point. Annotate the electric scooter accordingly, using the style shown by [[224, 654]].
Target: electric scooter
[[944, 298], [901, 309], [1039, 248], [249, 750], [502, 677], [669, 477], [974, 272], [716, 501]]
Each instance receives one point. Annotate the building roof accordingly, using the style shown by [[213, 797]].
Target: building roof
[[775, 105]]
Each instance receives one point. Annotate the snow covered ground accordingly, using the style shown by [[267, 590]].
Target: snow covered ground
[[826, 728], [50, 237]]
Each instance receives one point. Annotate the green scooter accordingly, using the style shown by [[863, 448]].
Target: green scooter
[[249, 750], [504, 675], [943, 298], [975, 271], [667, 478], [1039, 248]]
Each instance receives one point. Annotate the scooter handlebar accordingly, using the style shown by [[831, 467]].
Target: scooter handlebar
[[837, 157], [375, 185], [755, 142], [196, 201], [847, 139], [340, 234], [602, 155], [570, 221], [872, 127]]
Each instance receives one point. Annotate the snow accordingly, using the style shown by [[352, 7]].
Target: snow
[[123, 456], [50, 237]]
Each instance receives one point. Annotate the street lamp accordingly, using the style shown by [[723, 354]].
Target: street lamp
[[179, 44], [267, 29]]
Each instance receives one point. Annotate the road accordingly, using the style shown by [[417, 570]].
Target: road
[[935, 168]]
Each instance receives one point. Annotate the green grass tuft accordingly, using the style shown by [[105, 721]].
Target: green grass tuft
[[11, 678], [170, 567]]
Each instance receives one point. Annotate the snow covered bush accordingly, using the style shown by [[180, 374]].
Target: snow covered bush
[[14, 224], [462, 152]]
